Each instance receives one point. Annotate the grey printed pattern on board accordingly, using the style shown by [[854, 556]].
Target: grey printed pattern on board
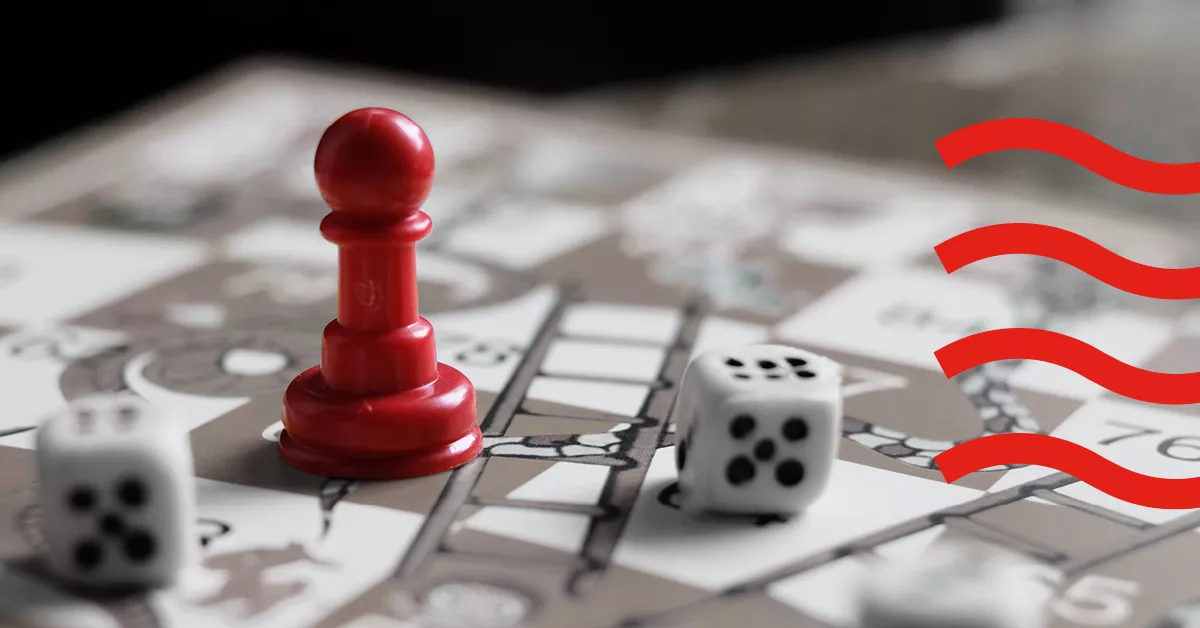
[[573, 271]]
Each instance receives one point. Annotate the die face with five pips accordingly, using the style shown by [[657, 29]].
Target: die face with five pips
[[757, 429], [117, 493]]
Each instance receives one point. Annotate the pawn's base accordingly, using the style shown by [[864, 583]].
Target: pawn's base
[[409, 465], [386, 437]]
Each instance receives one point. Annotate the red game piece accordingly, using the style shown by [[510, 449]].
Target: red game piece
[[380, 406]]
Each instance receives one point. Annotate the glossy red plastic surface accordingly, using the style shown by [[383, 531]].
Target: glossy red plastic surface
[[379, 406]]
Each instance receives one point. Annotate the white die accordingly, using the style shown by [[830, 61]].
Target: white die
[[117, 493], [953, 586], [757, 429]]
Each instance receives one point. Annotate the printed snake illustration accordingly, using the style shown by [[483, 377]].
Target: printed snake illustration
[[1055, 292]]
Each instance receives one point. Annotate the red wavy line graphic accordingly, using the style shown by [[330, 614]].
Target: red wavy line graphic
[[1073, 459], [1069, 248], [1074, 355], [1071, 144]]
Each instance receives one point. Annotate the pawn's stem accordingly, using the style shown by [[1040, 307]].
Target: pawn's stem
[[373, 286], [379, 343]]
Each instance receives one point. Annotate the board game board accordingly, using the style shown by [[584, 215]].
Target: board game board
[[573, 269]]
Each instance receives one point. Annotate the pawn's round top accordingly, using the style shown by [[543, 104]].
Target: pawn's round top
[[374, 161]]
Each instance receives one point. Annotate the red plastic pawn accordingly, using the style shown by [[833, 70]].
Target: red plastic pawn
[[380, 406]]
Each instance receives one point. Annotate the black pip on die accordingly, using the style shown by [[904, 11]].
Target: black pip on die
[[757, 429]]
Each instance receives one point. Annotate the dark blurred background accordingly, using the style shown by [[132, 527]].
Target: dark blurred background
[[874, 80], [65, 66]]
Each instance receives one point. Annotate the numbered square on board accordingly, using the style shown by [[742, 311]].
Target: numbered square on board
[[758, 429], [900, 315], [116, 492], [1158, 441]]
